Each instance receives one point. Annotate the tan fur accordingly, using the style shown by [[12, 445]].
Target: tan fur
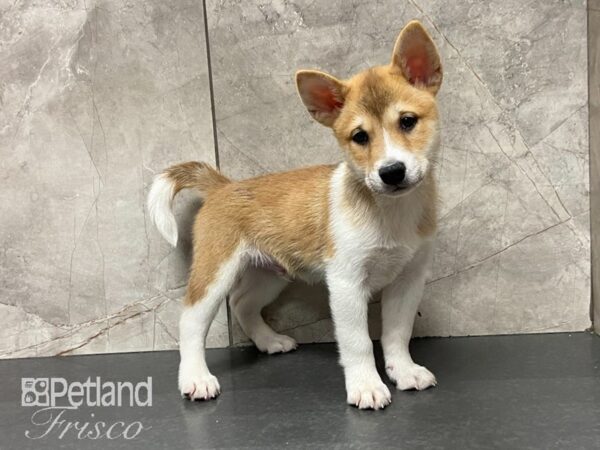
[[285, 215], [358, 200], [197, 175]]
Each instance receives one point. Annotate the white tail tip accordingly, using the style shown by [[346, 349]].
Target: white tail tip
[[160, 202]]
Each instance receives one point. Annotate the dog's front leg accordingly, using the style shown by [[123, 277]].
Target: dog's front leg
[[349, 302], [400, 301]]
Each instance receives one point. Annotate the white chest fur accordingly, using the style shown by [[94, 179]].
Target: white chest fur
[[372, 249], [381, 266]]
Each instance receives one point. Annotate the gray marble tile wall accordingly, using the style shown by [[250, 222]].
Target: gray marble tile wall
[[97, 96], [594, 120], [513, 251]]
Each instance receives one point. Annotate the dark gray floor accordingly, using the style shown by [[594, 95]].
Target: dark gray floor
[[537, 391]]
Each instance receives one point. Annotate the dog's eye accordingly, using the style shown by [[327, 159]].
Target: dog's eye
[[361, 137], [408, 122]]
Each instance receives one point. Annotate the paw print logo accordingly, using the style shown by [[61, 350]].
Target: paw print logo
[[35, 392]]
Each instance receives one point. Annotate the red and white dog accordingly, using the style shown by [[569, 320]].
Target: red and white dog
[[364, 225]]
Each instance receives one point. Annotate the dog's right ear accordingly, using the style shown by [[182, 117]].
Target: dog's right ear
[[322, 94]]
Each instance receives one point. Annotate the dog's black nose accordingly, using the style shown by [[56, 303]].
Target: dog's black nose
[[393, 174]]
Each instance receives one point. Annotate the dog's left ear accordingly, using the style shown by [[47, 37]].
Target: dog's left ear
[[322, 94], [417, 58]]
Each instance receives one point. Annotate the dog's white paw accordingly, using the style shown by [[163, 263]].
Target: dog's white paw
[[368, 393], [410, 376], [198, 386], [275, 343]]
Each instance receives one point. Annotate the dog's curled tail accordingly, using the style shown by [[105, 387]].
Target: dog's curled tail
[[165, 186]]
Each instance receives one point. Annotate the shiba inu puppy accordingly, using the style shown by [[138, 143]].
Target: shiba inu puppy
[[363, 225]]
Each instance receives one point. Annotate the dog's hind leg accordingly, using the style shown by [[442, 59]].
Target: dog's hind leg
[[213, 275], [255, 290]]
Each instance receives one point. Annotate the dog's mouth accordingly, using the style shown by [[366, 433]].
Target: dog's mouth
[[397, 191], [394, 191]]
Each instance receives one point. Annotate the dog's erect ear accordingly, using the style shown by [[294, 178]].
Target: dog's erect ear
[[417, 57], [322, 94]]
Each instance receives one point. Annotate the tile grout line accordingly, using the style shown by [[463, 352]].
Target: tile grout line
[[591, 202], [592, 78], [210, 86], [213, 111]]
